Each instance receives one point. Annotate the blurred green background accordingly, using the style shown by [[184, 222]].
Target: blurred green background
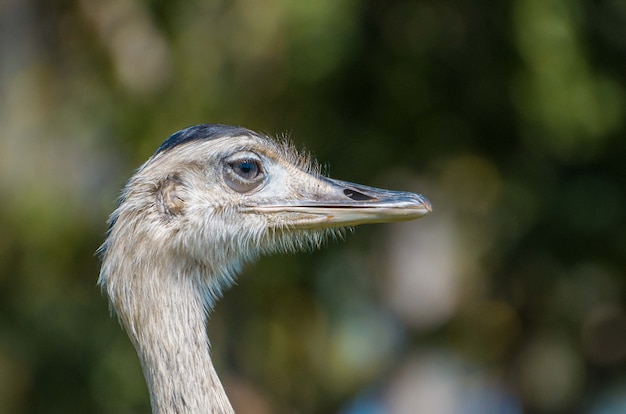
[[508, 115]]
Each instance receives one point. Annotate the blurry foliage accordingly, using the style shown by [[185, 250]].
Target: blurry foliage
[[508, 115]]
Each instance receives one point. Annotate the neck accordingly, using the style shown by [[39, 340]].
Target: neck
[[167, 325]]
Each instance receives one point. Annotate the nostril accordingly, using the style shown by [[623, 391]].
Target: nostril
[[356, 196]]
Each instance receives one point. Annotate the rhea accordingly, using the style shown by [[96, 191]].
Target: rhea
[[210, 199]]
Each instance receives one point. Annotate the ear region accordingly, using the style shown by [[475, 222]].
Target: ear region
[[170, 196]]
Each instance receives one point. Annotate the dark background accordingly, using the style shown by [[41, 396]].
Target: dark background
[[509, 115]]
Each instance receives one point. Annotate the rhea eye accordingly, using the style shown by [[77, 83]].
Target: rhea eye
[[243, 174], [246, 169]]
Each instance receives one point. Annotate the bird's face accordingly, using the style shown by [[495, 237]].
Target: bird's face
[[253, 177], [252, 194]]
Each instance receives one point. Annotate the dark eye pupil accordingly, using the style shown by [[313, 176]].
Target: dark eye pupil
[[246, 169]]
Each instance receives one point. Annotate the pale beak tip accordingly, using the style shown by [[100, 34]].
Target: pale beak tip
[[426, 203]]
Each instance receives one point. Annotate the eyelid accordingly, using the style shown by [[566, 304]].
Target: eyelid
[[242, 156]]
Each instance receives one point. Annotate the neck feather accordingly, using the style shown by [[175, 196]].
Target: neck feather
[[165, 316]]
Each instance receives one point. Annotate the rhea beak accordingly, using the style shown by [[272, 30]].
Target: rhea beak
[[340, 203]]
